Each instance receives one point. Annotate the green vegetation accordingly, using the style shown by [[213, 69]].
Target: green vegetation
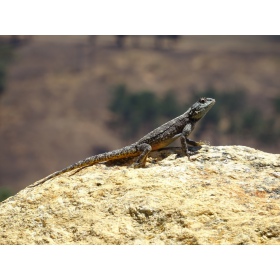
[[6, 54], [5, 193], [234, 114], [241, 116], [276, 103], [142, 110]]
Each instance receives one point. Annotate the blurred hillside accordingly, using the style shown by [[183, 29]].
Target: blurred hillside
[[56, 106]]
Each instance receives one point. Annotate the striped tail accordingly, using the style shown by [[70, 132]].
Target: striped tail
[[128, 151]]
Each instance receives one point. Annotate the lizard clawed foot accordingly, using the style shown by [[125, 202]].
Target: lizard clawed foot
[[189, 153]]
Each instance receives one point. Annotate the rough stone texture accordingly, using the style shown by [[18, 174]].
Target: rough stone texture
[[225, 195]]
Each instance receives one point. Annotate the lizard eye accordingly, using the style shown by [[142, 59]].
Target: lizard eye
[[202, 100]]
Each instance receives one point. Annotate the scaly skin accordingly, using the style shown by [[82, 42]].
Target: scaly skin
[[180, 127]]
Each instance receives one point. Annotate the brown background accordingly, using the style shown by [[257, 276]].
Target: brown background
[[54, 110]]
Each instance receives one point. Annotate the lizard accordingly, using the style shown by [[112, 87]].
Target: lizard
[[179, 127]]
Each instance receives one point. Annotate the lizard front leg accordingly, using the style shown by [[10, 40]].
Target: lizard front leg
[[141, 160], [184, 140], [184, 145]]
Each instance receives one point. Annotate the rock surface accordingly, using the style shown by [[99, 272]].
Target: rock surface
[[224, 195]]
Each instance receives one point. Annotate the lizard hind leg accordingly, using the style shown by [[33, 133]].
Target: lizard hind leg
[[141, 160]]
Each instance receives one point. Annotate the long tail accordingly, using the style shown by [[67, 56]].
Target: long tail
[[128, 151]]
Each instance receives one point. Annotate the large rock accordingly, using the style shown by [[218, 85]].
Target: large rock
[[224, 195]]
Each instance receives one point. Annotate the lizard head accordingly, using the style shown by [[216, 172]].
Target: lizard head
[[200, 108]]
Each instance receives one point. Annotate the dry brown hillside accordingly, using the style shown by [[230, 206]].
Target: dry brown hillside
[[54, 110]]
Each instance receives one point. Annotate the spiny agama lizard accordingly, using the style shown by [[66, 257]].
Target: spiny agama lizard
[[180, 127]]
